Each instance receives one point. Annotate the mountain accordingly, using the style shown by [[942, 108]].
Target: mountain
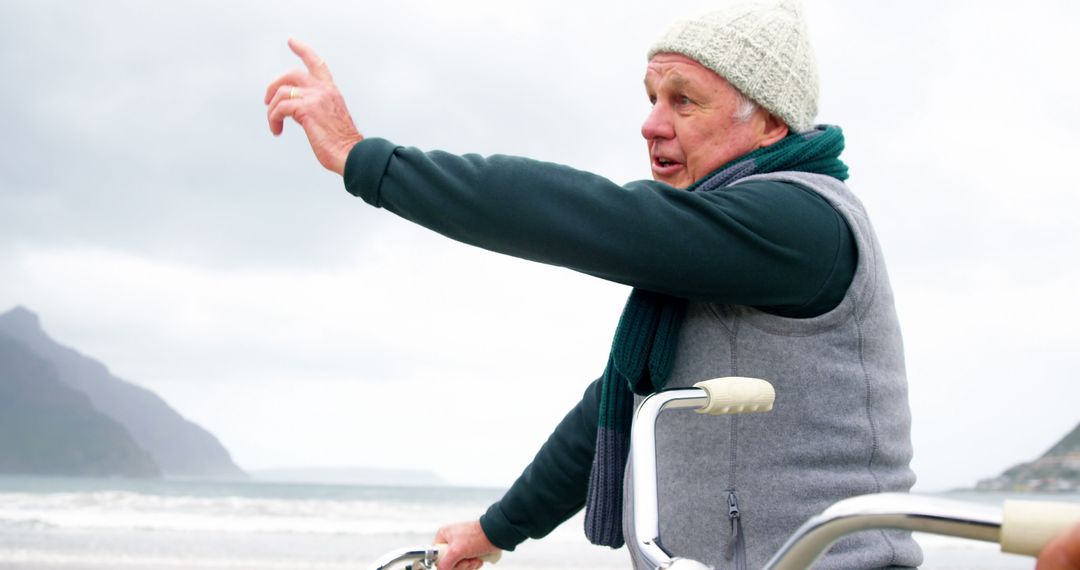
[[1057, 470], [179, 447], [47, 428]]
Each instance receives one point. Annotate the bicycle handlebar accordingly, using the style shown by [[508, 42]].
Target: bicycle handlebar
[[1021, 527]]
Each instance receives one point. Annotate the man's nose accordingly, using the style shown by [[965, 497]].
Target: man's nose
[[658, 124]]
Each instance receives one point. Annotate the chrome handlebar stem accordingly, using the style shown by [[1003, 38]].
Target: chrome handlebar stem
[[643, 453]]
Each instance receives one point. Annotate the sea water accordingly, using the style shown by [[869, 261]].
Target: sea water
[[99, 524], [129, 524]]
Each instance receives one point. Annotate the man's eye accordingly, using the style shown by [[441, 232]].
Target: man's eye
[[684, 100]]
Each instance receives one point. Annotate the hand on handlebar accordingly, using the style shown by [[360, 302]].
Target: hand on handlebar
[[1062, 553], [466, 543]]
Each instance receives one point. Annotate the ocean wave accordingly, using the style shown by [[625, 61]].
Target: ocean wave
[[30, 557], [131, 510], [24, 524]]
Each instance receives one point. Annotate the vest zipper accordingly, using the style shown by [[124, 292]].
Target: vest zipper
[[736, 544], [736, 550]]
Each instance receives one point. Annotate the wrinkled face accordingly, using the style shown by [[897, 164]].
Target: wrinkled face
[[691, 129]]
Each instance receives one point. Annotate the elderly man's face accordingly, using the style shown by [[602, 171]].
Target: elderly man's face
[[691, 130]]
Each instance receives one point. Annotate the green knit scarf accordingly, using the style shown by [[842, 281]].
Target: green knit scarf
[[643, 350]]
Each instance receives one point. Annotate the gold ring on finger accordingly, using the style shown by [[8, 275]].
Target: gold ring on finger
[[292, 93]]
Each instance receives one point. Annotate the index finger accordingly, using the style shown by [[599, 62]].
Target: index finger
[[315, 64]]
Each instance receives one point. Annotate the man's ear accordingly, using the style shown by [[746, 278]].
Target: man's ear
[[773, 129]]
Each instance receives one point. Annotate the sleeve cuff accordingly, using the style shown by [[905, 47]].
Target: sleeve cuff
[[499, 530], [365, 166]]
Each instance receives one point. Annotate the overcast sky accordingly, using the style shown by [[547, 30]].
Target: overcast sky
[[151, 220]]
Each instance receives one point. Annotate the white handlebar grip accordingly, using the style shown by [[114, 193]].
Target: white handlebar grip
[[736, 395], [1026, 526], [489, 558]]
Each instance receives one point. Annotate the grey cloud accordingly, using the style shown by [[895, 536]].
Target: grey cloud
[[140, 126]]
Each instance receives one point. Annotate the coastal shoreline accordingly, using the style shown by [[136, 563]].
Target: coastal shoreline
[[99, 524]]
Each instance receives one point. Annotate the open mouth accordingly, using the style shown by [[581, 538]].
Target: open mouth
[[664, 165]]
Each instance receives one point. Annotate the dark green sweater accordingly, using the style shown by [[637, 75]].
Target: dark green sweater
[[775, 246]]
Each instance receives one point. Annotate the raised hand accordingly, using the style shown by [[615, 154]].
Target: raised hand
[[314, 102]]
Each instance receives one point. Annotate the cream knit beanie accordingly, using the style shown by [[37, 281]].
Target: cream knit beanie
[[760, 48]]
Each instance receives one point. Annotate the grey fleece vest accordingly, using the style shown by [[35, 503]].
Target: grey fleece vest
[[840, 426]]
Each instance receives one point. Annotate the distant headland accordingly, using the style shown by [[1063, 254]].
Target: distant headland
[[63, 413], [1057, 470]]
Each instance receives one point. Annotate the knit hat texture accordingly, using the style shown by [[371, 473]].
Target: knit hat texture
[[761, 48]]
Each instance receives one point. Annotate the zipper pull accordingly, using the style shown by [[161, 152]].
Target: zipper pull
[[733, 516], [737, 544]]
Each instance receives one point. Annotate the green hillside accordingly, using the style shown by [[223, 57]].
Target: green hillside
[[176, 445], [1058, 470], [47, 428]]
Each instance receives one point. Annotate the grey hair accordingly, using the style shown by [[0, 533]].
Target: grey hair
[[744, 107]]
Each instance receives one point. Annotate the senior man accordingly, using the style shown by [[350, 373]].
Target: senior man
[[748, 256]]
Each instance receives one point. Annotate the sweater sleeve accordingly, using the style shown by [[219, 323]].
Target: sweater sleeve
[[771, 245], [553, 487]]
